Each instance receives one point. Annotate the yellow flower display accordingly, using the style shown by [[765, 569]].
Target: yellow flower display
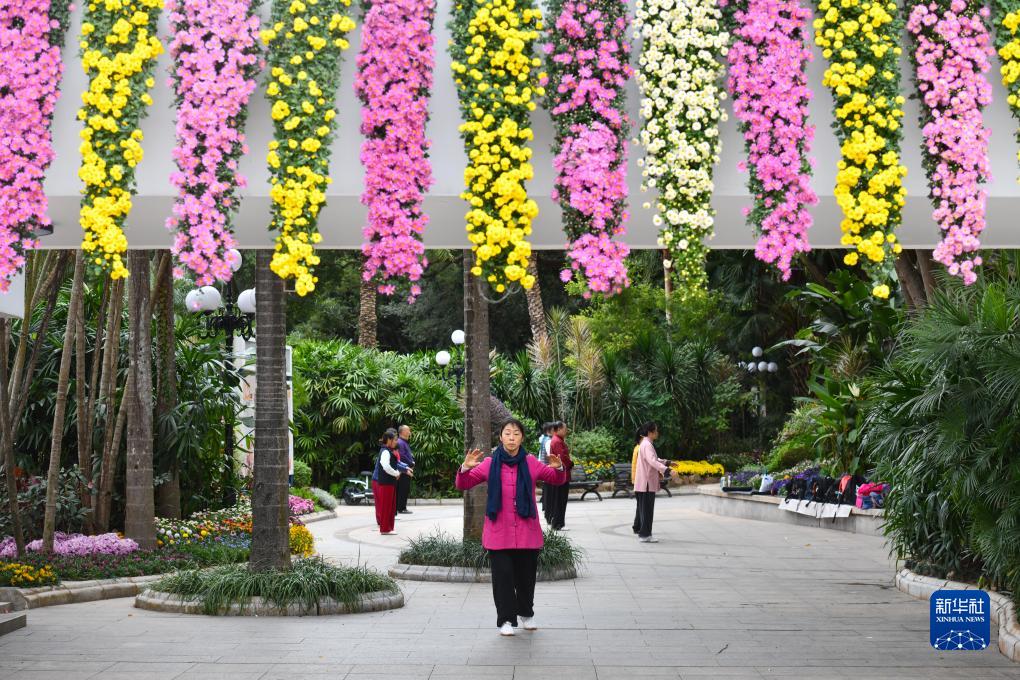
[[860, 39], [25, 575], [306, 39], [1007, 23], [700, 468], [302, 543], [495, 71], [119, 49]]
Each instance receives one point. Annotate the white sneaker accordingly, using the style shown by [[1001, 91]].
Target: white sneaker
[[649, 539], [506, 629], [529, 623]]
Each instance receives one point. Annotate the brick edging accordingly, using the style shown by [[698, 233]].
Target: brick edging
[[317, 516], [157, 601], [71, 592], [1003, 611], [415, 572]]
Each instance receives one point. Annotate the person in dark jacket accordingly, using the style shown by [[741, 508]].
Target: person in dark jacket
[[388, 470], [557, 509], [407, 460]]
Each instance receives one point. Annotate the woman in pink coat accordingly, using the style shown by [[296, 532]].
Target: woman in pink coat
[[646, 480], [511, 533]]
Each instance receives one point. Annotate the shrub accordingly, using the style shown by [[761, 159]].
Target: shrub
[[796, 441], [300, 506], [75, 544], [440, 549], [325, 498], [302, 543], [596, 444], [302, 474], [309, 581], [22, 575], [32, 503], [597, 469]]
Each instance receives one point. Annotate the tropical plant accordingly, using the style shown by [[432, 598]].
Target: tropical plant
[[443, 550]]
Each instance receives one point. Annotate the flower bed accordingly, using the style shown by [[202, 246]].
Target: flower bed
[[19, 574], [75, 545], [300, 506]]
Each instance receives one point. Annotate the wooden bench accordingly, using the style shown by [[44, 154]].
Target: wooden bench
[[622, 483], [579, 479]]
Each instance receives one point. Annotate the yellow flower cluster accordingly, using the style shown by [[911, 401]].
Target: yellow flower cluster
[[598, 469], [302, 543], [700, 468], [1009, 53], [860, 39], [494, 69], [119, 51], [25, 575], [305, 42]]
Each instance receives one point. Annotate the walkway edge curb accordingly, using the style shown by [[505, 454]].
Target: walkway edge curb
[[416, 572], [73, 592], [1003, 611], [317, 516], [157, 601]]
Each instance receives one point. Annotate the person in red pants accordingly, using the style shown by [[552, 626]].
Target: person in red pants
[[384, 482]]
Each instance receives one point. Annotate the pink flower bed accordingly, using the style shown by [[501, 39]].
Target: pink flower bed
[[951, 57], [75, 544], [587, 53], [300, 506], [767, 79], [394, 78], [31, 34], [216, 58]]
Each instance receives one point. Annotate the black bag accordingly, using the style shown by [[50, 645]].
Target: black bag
[[846, 493], [797, 489], [823, 489]]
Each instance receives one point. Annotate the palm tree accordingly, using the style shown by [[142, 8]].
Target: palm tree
[[269, 544], [368, 320], [168, 494], [60, 408], [140, 504], [477, 408], [536, 310]]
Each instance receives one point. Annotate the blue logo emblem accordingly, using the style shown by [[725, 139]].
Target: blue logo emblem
[[960, 620]]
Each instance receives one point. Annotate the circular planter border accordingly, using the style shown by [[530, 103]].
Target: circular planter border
[[159, 601], [416, 572]]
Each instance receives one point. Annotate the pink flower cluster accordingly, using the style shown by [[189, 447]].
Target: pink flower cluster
[[299, 506], [588, 57], [217, 59], [767, 79], [75, 544], [394, 78], [952, 54], [30, 72]]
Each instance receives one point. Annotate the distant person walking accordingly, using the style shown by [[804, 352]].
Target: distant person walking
[[633, 481], [384, 481], [512, 532], [646, 480], [556, 511], [406, 458], [543, 456]]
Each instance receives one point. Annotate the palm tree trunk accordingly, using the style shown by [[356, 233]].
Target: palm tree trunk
[[108, 393], [368, 321], [6, 437], [81, 414], [168, 494], [60, 406], [139, 501], [270, 530], [477, 408], [536, 310]]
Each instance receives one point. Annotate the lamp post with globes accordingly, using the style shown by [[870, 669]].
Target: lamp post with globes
[[234, 316], [444, 358], [759, 368]]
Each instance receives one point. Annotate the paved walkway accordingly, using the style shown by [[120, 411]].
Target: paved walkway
[[717, 598]]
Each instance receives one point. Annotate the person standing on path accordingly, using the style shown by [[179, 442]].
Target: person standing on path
[[512, 532], [406, 458], [646, 480], [558, 447], [384, 482], [633, 482]]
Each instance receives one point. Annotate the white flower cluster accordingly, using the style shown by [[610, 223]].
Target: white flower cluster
[[680, 78]]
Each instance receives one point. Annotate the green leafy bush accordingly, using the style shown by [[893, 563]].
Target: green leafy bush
[[796, 441], [307, 582], [440, 549], [302, 474], [596, 444]]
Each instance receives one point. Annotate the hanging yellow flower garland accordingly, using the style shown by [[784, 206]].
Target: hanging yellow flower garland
[[494, 69], [119, 49], [305, 44]]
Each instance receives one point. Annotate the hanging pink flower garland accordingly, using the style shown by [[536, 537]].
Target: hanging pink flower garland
[[587, 56], [217, 60], [394, 79], [31, 34], [767, 80], [952, 50]]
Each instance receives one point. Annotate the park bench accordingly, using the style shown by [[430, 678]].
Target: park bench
[[622, 483], [579, 479]]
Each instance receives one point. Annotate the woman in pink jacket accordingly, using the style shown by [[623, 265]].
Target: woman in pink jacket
[[511, 533], [646, 481]]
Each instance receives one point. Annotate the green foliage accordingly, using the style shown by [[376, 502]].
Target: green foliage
[[32, 504], [443, 550], [796, 441], [307, 582], [302, 474], [350, 395], [325, 498], [597, 444], [945, 427]]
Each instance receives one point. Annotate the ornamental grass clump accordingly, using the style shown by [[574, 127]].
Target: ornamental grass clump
[[308, 582], [495, 71], [30, 74], [305, 41], [440, 549], [119, 48]]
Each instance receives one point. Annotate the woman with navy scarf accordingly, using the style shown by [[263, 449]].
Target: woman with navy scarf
[[512, 533]]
